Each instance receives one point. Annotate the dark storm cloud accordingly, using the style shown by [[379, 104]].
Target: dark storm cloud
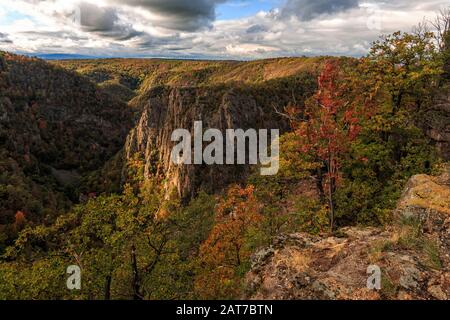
[[309, 9], [4, 38], [97, 19], [104, 21], [182, 15]]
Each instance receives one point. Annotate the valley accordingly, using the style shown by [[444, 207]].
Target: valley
[[87, 179]]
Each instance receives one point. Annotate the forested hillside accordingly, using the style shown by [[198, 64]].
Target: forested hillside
[[55, 128]]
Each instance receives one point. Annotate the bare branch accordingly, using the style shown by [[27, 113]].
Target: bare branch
[[422, 30], [287, 116], [441, 24]]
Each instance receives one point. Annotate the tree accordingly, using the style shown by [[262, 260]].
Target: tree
[[329, 126], [20, 220], [397, 82], [125, 247], [402, 67], [441, 24], [224, 256]]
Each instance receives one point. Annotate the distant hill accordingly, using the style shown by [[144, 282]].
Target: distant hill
[[62, 56], [128, 78]]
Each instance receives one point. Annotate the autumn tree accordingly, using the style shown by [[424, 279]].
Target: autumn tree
[[20, 220], [224, 256], [396, 84], [326, 129], [402, 67]]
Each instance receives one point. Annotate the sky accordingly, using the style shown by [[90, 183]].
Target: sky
[[210, 29]]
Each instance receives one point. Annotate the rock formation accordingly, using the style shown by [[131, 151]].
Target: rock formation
[[437, 124], [220, 107], [413, 255]]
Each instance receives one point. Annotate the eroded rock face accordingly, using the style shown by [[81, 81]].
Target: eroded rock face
[[166, 109], [424, 194], [414, 258]]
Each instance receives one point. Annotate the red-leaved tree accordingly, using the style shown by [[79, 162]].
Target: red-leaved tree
[[327, 128]]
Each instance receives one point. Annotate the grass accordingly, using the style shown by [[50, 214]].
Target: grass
[[410, 237], [388, 288], [431, 250], [377, 250]]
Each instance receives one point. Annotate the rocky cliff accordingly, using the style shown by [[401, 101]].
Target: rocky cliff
[[171, 95], [223, 106], [413, 255]]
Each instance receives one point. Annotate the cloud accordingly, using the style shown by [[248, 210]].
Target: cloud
[[190, 28], [4, 38], [104, 21], [309, 9], [256, 28], [182, 15]]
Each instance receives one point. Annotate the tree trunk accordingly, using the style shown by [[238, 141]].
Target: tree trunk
[[319, 184], [331, 203], [136, 285], [397, 103], [108, 287], [331, 189]]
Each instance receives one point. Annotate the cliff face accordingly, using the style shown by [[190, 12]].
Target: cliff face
[[413, 255], [171, 95], [166, 109]]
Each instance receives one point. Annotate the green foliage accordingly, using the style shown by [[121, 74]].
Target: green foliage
[[199, 219], [290, 200], [402, 67], [56, 128], [102, 237], [310, 215], [377, 170]]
